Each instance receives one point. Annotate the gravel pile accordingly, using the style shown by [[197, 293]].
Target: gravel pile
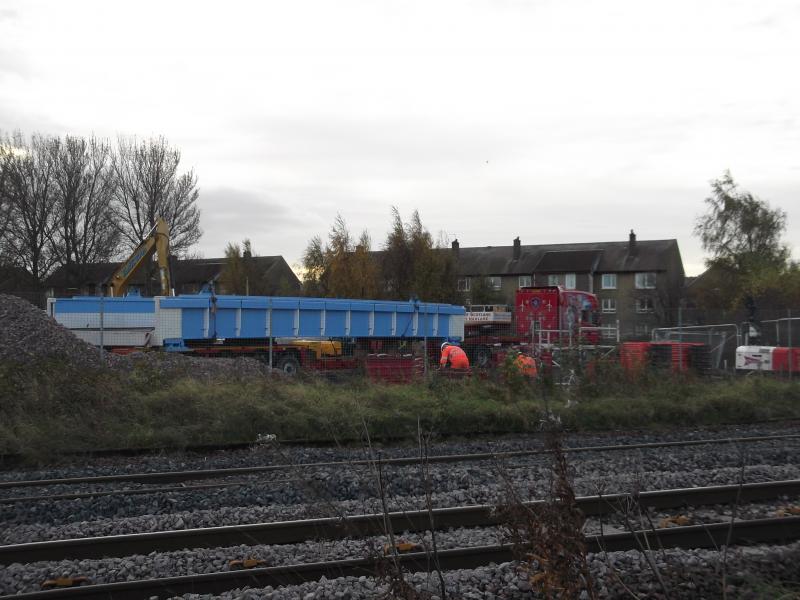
[[28, 333]]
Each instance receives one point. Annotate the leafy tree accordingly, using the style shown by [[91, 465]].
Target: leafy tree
[[241, 276], [483, 293], [743, 235], [341, 268], [414, 265]]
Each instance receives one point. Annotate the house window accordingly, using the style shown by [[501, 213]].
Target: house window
[[569, 281], [494, 283], [645, 281], [609, 305], [524, 281], [553, 280], [463, 284], [641, 329], [644, 305], [609, 281]]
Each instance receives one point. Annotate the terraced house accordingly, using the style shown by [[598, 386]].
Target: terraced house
[[638, 282]]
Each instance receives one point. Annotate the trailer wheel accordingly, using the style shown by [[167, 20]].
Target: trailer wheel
[[289, 365], [483, 357]]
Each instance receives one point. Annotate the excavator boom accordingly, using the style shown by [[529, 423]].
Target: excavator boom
[[156, 242]]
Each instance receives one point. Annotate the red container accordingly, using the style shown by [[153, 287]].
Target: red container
[[633, 356], [392, 369], [786, 360]]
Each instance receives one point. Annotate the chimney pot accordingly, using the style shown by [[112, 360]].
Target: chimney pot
[[455, 245], [517, 248], [632, 243]]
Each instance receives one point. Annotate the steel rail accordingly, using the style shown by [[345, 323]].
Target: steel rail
[[292, 532], [125, 492], [181, 476], [776, 530], [138, 491]]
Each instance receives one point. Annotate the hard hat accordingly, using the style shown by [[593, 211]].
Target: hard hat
[[443, 345]]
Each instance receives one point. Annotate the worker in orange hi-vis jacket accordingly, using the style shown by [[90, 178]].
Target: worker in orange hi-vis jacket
[[453, 357], [526, 365]]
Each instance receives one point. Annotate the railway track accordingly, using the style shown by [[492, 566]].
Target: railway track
[[780, 530], [289, 532], [201, 474]]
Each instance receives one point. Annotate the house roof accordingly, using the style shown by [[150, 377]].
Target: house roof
[[567, 261], [611, 257], [193, 270]]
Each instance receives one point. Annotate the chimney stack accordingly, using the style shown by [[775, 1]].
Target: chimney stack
[[517, 248], [455, 246], [632, 243]]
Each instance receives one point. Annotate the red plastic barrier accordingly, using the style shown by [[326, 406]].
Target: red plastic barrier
[[633, 356], [392, 369], [785, 360]]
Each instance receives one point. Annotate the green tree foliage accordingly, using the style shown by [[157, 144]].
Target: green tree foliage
[[241, 275], [743, 235], [341, 268], [411, 264], [481, 292], [414, 265]]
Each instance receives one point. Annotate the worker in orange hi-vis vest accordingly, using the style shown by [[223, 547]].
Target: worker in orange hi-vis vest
[[453, 357], [526, 365]]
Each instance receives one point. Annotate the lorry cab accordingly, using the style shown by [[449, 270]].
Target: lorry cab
[[556, 315]]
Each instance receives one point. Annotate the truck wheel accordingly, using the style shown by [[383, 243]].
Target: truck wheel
[[483, 356], [289, 365]]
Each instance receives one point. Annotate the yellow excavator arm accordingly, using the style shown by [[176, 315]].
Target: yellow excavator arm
[[157, 241]]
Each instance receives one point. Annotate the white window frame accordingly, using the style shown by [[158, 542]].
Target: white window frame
[[570, 281], [612, 281], [464, 284], [525, 281], [494, 282], [554, 279], [642, 280], [645, 306], [609, 305]]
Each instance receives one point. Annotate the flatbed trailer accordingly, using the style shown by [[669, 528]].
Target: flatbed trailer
[[292, 333]]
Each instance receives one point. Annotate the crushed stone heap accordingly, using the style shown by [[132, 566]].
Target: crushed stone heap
[[28, 334]]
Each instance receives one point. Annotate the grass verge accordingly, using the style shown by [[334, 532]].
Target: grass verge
[[47, 408]]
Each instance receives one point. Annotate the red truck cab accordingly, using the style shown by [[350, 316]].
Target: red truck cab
[[557, 315]]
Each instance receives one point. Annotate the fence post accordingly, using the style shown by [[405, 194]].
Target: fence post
[[270, 336], [680, 338], [102, 322], [425, 337], [789, 333]]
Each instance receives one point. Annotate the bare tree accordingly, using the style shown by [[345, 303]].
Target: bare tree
[[85, 228], [29, 196], [149, 185]]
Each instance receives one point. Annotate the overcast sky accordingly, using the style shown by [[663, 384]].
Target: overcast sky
[[555, 121]]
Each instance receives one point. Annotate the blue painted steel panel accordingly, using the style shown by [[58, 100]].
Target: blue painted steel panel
[[359, 321], [89, 304], [335, 319], [225, 322], [192, 323], [383, 322], [254, 322]]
